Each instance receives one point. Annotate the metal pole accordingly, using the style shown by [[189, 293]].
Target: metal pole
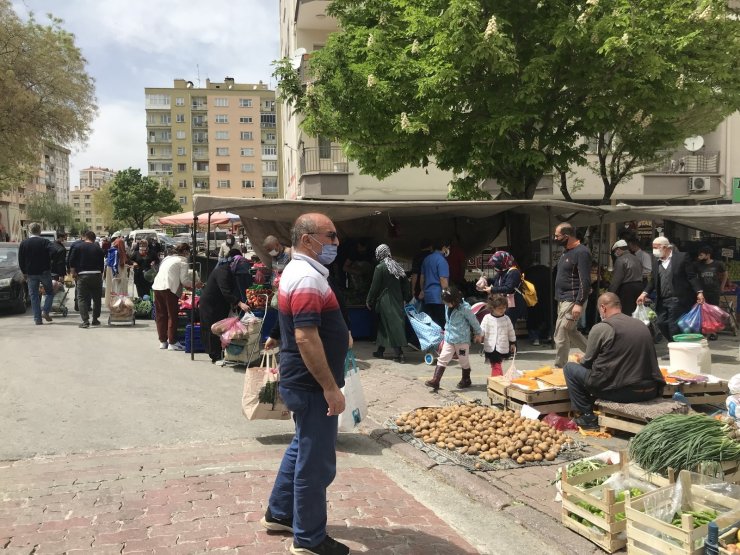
[[193, 252], [551, 288], [598, 257], [208, 244]]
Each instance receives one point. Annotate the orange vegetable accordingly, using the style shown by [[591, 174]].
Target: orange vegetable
[[526, 382]]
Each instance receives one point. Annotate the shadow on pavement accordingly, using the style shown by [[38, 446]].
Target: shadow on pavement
[[398, 540]]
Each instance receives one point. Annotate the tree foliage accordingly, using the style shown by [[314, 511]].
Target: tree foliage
[[509, 89], [46, 91], [136, 198], [103, 205], [47, 210]]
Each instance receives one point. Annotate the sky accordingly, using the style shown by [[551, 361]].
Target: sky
[[132, 44]]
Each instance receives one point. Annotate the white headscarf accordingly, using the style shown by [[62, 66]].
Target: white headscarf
[[383, 254]]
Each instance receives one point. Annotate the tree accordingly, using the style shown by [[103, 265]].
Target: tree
[[137, 198], [103, 205], [47, 210], [46, 91]]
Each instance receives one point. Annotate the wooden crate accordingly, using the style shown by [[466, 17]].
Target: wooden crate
[[700, 393], [513, 398], [613, 537], [646, 534], [729, 537], [617, 420]]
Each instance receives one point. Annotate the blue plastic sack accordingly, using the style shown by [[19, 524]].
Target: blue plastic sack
[[691, 321], [426, 329]]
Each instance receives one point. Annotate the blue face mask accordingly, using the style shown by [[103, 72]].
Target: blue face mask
[[327, 255]]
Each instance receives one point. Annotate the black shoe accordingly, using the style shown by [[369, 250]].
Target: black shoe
[[84, 325], [399, 359], [329, 546], [96, 322], [273, 524], [665, 357], [588, 421], [464, 383], [379, 354], [712, 337], [39, 323]]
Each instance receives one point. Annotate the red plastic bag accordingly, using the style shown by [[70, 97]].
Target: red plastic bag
[[560, 423], [713, 318]]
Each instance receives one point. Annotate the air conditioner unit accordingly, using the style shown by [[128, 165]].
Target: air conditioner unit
[[699, 184]]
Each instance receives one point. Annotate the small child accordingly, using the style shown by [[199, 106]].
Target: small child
[[460, 322], [499, 336]]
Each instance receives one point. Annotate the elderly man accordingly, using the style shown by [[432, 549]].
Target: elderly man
[[676, 285], [619, 364], [314, 345], [279, 256], [34, 259], [626, 279]]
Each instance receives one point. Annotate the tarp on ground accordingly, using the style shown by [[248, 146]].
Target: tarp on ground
[[399, 224], [186, 218]]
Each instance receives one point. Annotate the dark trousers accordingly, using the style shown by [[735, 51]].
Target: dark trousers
[[583, 400], [211, 341], [628, 293], [308, 467], [142, 285], [668, 312], [166, 307], [436, 312], [89, 290]]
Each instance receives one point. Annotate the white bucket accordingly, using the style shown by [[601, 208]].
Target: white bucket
[[692, 357]]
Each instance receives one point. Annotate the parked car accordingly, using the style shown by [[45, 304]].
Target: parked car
[[13, 289]]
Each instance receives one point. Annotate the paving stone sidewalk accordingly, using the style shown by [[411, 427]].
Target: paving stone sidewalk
[[198, 498]]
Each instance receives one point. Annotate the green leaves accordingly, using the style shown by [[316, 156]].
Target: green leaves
[[137, 198]]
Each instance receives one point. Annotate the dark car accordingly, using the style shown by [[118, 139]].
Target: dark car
[[13, 290]]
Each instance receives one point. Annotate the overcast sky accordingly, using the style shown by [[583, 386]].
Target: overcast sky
[[132, 44]]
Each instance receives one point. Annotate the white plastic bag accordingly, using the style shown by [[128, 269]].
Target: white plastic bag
[[355, 406], [642, 314], [482, 283], [512, 373]]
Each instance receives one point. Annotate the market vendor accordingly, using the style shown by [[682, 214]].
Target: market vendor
[[619, 365]]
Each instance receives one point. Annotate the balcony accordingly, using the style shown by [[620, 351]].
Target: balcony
[[200, 156], [706, 162], [324, 160], [311, 14], [199, 107]]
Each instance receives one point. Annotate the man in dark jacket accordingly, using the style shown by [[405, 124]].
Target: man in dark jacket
[[619, 364], [34, 259], [59, 257], [86, 265], [626, 279]]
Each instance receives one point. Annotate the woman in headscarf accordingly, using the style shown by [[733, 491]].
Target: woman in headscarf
[[388, 291], [507, 281], [221, 294]]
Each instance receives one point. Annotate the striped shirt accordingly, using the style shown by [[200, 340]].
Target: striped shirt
[[306, 300]]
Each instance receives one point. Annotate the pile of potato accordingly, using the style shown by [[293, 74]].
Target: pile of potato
[[484, 432]]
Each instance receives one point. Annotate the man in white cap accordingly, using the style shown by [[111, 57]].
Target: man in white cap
[[676, 285], [626, 279]]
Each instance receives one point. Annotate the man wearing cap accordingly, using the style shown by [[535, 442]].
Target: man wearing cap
[[676, 285], [626, 279]]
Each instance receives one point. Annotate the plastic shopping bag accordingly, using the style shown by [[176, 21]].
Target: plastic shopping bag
[[355, 409], [691, 321], [644, 314], [228, 329], [713, 318], [260, 396]]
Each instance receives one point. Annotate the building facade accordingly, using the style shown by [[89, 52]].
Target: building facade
[[86, 218], [220, 140], [94, 177]]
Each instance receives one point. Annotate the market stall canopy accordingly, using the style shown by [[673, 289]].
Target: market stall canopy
[[186, 218], [399, 224]]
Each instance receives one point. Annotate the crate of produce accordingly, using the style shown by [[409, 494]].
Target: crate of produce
[[729, 541], [699, 393], [674, 520], [502, 392], [594, 498]]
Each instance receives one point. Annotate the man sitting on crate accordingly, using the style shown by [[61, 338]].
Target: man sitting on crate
[[620, 363]]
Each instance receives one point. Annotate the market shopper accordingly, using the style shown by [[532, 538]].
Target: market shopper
[[59, 257], [712, 275], [388, 291], [143, 259], [626, 279], [676, 286], [645, 259], [86, 265], [311, 375], [34, 260], [435, 277], [226, 246], [279, 257], [174, 275], [572, 287], [507, 281], [499, 337], [619, 364]]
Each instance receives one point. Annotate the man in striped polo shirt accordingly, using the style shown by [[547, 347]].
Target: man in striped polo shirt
[[314, 346]]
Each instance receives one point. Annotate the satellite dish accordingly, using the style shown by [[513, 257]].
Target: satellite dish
[[297, 57], [694, 143]]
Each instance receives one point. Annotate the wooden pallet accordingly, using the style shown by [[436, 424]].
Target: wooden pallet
[[700, 393], [513, 398]]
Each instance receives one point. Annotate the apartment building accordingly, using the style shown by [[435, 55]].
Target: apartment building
[[81, 200], [703, 169], [94, 177], [221, 139]]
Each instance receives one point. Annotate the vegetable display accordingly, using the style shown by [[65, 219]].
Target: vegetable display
[[484, 432], [700, 517], [684, 442], [634, 492]]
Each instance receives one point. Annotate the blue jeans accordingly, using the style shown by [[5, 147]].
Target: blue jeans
[[33, 292], [308, 467]]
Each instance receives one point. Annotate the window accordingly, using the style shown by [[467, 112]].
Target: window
[[221, 102], [269, 183], [246, 135], [248, 168], [181, 151], [245, 102], [247, 184], [222, 118], [165, 119], [180, 134], [183, 184], [199, 121], [269, 166], [183, 200], [246, 151], [165, 136], [270, 136], [222, 135], [222, 151], [181, 167], [223, 184], [324, 147], [179, 101], [180, 118], [200, 152], [245, 119], [158, 100], [269, 150], [223, 167], [200, 166], [200, 137], [151, 153], [267, 120]]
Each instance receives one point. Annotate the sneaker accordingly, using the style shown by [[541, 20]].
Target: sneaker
[[96, 322], [163, 344], [536, 342], [47, 317], [38, 322], [84, 325], [329, 546], [588, 421], [176, 347], [273, 524]]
